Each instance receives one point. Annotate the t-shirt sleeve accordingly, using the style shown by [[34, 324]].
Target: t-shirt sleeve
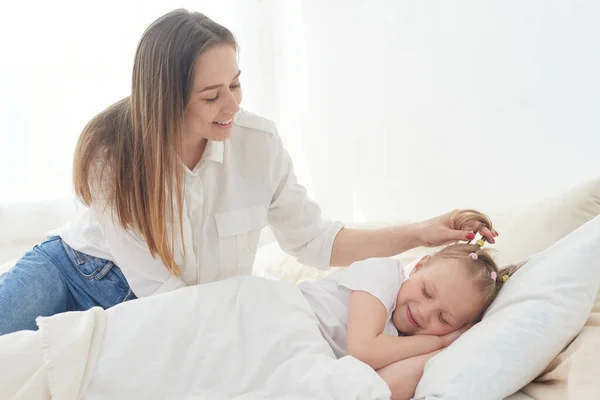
[[380, 277]]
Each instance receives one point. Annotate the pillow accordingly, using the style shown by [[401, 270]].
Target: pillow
[[538, 312]]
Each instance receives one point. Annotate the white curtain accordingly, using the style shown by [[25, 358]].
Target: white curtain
[[390, 109]]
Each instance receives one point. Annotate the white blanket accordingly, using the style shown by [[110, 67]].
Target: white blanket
[[243, 338]]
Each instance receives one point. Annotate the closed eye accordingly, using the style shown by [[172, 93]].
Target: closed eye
[[425, 293], [442, 320], [232, 87]]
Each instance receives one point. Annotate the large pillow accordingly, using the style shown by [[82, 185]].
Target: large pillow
[[539, 311]]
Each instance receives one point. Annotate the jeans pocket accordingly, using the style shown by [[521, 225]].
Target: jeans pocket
[[86, 265], [105, 282]]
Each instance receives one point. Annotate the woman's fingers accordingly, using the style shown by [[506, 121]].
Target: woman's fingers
[[484, 231]]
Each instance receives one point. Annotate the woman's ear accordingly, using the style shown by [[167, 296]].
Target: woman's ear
[[419, 264]]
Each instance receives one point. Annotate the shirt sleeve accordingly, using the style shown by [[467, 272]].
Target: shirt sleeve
[[380, 277], [296, 219]]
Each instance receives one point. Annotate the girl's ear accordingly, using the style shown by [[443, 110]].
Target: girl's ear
[[419, 265]]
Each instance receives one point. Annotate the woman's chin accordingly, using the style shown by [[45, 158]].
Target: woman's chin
[[219, 136]]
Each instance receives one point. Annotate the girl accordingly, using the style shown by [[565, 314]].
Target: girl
[[396, 324], [179, 181]]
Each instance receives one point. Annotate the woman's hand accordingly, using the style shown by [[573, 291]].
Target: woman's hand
[[446, 228]]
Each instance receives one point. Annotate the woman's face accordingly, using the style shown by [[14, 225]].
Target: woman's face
[[216, 95]]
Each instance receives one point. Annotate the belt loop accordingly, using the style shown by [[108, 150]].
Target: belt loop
[[105, 270]]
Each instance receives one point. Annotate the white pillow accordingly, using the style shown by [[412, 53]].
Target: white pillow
[[539, 311]]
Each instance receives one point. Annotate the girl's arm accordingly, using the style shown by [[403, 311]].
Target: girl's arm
[[402, 377], [366, 342]]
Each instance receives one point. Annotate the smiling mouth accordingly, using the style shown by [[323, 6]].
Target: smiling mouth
[[411, 319]]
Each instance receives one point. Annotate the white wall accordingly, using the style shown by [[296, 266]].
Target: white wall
[[417, 107]]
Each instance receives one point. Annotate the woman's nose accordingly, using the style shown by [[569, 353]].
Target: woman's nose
[[231, 105]]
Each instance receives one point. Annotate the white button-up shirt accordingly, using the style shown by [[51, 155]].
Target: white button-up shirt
[[238, 187]]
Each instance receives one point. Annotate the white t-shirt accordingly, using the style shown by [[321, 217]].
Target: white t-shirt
[[239, 187], [329, 297]]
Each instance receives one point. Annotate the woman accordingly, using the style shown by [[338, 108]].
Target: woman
[[179, 181]]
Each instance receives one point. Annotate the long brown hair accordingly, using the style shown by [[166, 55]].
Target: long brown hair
[[127, 154]]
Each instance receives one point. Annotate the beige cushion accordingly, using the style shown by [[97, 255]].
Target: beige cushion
[[529, 229]]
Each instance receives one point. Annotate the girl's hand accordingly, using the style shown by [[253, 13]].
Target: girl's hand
[[445, 229], [449, 338]]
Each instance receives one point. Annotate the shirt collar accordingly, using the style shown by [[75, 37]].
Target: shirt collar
[[214, 151]]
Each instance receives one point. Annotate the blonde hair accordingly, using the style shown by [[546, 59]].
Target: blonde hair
[[481, 268], [128, 152]]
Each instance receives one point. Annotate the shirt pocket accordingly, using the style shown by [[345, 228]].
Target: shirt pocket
[[239, 233]]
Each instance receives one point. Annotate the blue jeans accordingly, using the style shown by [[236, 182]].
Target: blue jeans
[[53, 278]]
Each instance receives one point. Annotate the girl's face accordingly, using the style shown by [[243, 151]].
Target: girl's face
[[215, 96], [438, 298]]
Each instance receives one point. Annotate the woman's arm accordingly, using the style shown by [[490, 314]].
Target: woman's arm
[[366, 342], [352, 245], [402, 377]]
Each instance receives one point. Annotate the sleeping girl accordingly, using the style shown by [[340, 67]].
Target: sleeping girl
[[396, 323]]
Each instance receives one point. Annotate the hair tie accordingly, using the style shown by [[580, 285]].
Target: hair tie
[[493, 275], [505, 278], [480, 243], [474, 256]]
